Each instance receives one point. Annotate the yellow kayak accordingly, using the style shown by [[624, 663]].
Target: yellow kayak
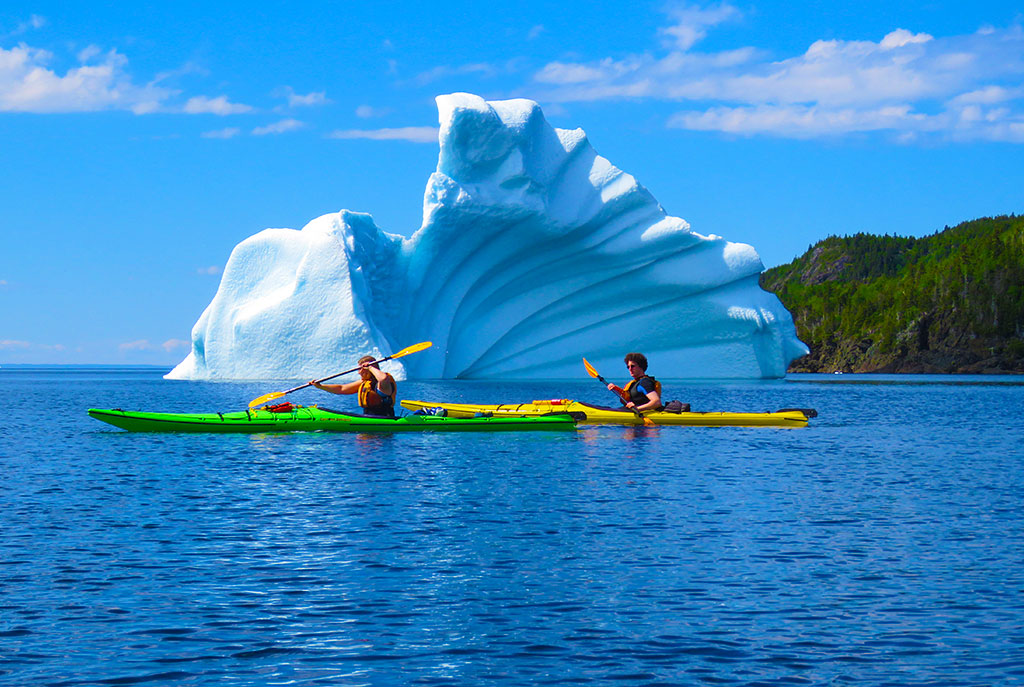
[[601, 415]]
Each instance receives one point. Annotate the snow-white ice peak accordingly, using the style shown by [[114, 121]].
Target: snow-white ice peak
[[534, 251]]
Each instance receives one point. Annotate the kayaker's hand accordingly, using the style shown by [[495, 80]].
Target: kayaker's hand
[[631, 405], [314, 384], [611, 387]]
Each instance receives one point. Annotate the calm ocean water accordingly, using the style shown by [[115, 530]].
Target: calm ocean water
[[882, 545]]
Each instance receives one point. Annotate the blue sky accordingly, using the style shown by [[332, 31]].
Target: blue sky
[[142, 142]]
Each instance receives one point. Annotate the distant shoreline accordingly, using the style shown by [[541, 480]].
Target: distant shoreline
[[948, 303]]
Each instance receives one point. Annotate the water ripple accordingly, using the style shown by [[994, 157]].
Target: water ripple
[[861, 552]]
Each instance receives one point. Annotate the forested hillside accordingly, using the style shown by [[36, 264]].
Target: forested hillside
[[949, 302]]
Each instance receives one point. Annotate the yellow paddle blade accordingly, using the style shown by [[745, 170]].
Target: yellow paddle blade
[[415, 348], [590, 369], [265, 398]]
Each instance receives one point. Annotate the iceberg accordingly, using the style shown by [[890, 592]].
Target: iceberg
[[533, 251]]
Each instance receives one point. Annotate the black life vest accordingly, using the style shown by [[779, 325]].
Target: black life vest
[[373, 402], [637, 396]]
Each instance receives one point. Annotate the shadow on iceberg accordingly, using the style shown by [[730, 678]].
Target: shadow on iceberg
[[533, 249]]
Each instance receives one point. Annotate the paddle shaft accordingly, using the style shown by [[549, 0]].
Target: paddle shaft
[[321, 381], [278, 394]]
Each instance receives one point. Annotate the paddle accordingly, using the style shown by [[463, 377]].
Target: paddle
[[593, 373], [265, 398]]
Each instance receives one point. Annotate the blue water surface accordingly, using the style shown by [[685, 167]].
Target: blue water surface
[[881, 545]]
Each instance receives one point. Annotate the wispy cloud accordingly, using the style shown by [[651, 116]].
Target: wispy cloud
[[13, 345], [281, 127], [535, 32], [368, 112], [691, 23], [31, 24], [146, 346], [16, 345], [295, 100], [139, 345], [227, 132], [220, 105], [479, 69], [99, 83], [413, 134], [800, 121], [212, 270], [172, 345]]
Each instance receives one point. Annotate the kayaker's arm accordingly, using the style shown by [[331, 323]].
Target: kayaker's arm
[[620, 391], [653, 402], [384, 384], [348, 388]]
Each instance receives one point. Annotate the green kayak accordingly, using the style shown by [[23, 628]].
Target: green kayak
[[314, 419]]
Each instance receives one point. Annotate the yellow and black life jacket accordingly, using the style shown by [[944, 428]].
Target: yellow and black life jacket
[[633, 393], [373, 402]]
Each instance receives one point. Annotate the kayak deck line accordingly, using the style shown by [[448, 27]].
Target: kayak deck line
[[315, 419], [602, 415]]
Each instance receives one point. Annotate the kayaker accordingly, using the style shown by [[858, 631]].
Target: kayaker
[[377, 389], [643, 392]]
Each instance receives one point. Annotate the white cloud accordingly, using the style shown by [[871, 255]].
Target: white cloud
[[562, 73], [414, 134], [988, 95], [28, 85], [11, 344], [901, 37], [535, 32], [480, 69], [211, 270], [281, 127], [692, 22], [800, 121], [220, 105], [318, 98], [145, 345], [368, 112], [89, 52], [17, 345], [172, 345], [140, 345], [32, 23], [296, 100], [906, 82], [228, 132]]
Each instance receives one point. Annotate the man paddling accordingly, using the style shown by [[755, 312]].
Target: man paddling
[[377, 389], [643, 392]]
